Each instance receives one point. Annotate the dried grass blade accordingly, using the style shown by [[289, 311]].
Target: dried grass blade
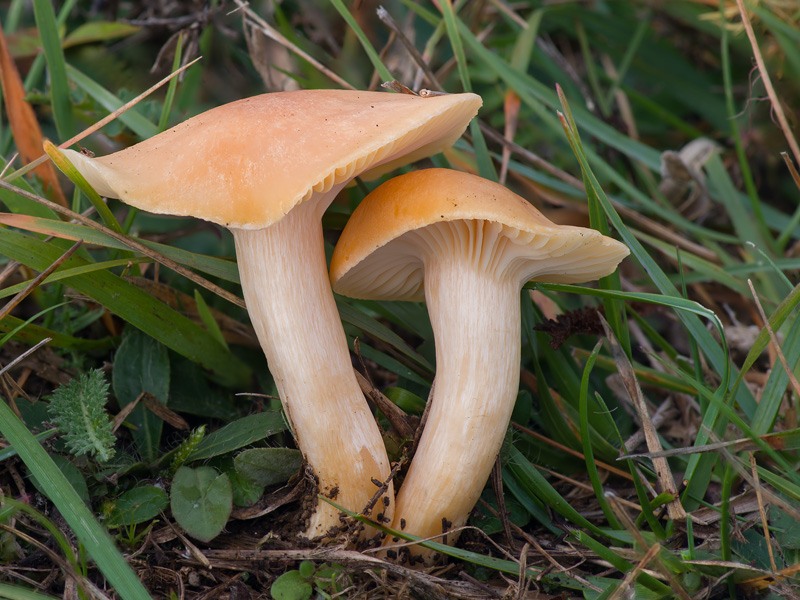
[[276, 35], [23, 356], [774, 341], [663, 471], [773, 97], [130, 243], [37, 281], [102, 122], [511, 107], [762, 513]]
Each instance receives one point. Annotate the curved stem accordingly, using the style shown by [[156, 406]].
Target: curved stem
[[476, 323], [287, 290]]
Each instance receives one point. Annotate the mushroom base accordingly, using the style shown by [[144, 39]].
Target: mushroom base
[[286, 287]]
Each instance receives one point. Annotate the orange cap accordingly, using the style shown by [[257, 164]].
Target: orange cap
[[248, 163], [368, 261]]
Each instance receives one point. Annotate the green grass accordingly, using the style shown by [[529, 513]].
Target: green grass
[[603, 89]]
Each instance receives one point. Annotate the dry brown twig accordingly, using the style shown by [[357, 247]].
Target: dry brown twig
[[661, 466], [130, 242], [256, 21], [773, 97]]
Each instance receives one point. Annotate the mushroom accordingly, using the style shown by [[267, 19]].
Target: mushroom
[[267, 168], [466, 246]]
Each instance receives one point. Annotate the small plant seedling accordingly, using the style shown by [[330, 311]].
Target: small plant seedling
[[78, 408], [301, 583]]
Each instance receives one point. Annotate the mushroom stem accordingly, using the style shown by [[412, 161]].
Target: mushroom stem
[[287, 290], [475, 315]]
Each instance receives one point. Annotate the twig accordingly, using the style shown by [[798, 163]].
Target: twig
[[502, 513], [774, 341], [387, 19], [65, 565], [762, 68], [394, 414], [761, 511], [274, 34], [102, 122], [24, 355], [575, 453], [34, 283], [130, 243], [532, 158], [662, 468]]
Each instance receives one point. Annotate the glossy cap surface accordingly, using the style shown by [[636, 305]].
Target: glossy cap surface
[[248, 163], [377, 257]]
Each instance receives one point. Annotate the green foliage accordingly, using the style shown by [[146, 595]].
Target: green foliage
[[78, 408], [301, 583], [268, 466], [639, 79], [201, 501], [141, 366], [139, 505], [238, 434], [185, 450]]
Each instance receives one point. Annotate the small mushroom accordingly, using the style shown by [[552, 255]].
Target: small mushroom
[[267, 167], [466, 246]]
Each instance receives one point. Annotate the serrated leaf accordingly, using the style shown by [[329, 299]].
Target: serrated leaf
[[138, 505], [78, 408], [201, 501], [239, 434], [268, 466]]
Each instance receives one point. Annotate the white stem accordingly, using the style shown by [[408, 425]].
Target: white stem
[[476, 322], [287, 290]]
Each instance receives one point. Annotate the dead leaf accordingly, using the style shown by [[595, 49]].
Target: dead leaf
[[682, 180]]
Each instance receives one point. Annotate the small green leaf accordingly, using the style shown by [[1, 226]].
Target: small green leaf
[[245, 493], [201, 501], [78, 408], [98, 31], [239, 434], [14, 592], [306, 568], [138, 505], [268, 466], [408, 401], [291, 586]]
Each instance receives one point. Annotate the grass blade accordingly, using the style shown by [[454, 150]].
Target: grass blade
[[59, 89], [92, 536]]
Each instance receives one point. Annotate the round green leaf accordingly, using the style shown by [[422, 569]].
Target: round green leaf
[[201, 501], [291, 586], [306, 569]]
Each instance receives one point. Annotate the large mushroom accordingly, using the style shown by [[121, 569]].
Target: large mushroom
[[266, 168], [466, 246]]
